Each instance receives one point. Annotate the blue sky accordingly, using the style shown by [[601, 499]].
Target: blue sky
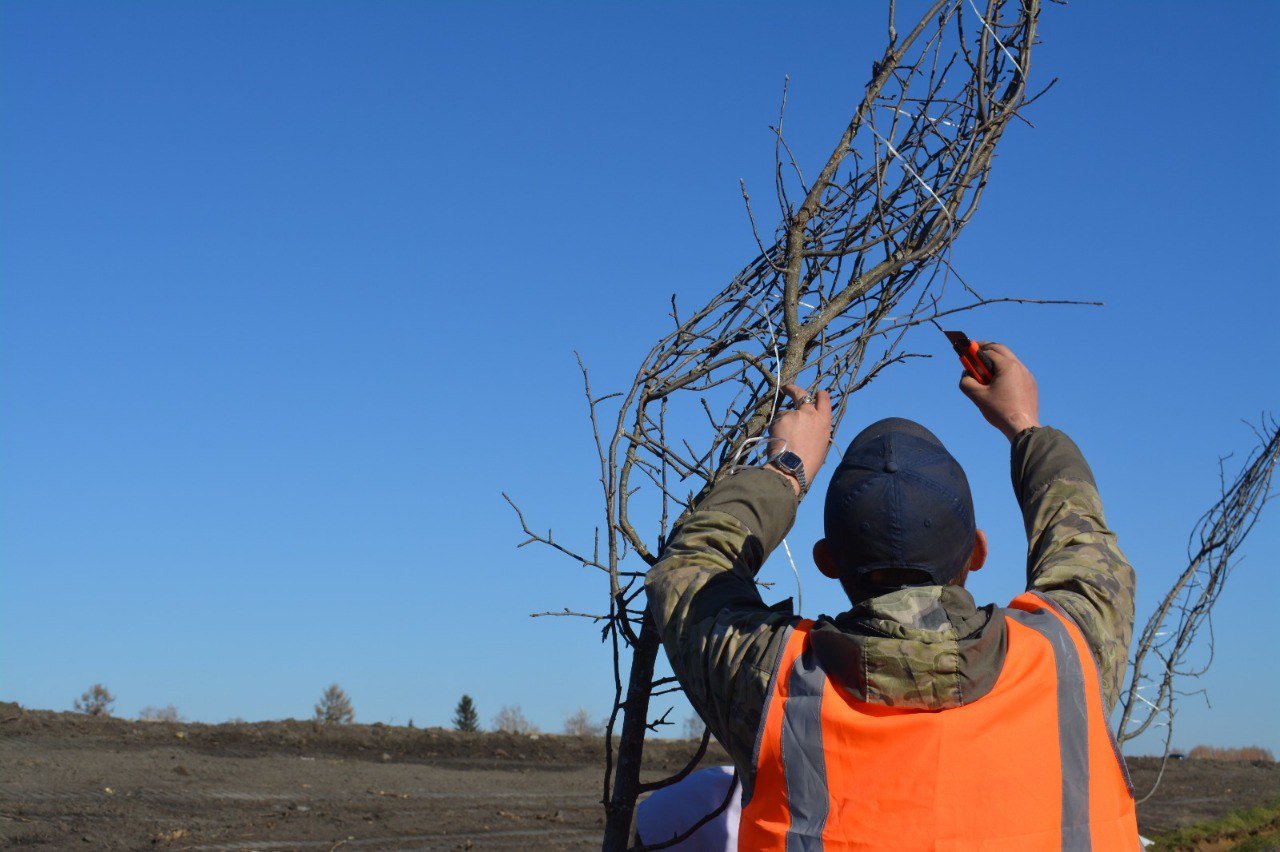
[[289, 294]]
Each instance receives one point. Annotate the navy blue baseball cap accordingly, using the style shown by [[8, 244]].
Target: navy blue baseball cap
[[899, 500]]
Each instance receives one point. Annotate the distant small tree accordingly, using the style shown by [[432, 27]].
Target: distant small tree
[[335, 707], [465, 717], [96, 701], [167, 713], [694, 727], [581, 724], [410, 723], [511, 720]]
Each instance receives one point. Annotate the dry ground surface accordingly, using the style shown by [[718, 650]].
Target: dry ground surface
[[74, 782]]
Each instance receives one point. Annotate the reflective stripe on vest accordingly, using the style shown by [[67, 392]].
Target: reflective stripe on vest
[[1073, 725], [1031, 765], [803, 758]]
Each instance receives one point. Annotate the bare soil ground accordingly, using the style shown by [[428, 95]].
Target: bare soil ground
[[69, 781], [1195, 791]]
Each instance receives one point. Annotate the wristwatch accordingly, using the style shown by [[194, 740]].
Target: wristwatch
[[788, 462]]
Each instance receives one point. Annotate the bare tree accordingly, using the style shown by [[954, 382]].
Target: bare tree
[[580, 724], [97, 700], [511, 720], [1176, 646], [167, 713], [334, 707], [860, 255]]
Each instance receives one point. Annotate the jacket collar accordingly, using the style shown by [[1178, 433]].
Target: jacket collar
[[926, 647], [924, 613]]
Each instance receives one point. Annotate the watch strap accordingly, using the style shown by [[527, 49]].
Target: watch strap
[[790, 463]]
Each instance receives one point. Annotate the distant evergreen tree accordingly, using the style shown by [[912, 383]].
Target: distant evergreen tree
[[465, 717]]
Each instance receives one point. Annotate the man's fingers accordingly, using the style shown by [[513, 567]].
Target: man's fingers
[[795, 392], [800, 396], [970, 386], [821, 401], [1000, 356], [996, 349]]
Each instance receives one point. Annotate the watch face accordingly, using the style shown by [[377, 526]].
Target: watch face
[[789, 460]]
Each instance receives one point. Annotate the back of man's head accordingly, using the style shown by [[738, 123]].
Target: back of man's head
[[899, 511]]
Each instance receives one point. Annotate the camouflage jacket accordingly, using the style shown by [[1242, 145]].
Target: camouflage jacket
[[929, 647]]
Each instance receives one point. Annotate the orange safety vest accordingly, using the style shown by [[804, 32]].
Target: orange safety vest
[[1031, 765]]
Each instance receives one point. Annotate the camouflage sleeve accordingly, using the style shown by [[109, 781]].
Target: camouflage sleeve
[[1072, 557], [721, 638]]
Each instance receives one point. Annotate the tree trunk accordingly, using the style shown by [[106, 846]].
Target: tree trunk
[[635, 716]]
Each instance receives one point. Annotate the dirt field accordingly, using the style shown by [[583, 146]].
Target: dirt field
[[69, 781]]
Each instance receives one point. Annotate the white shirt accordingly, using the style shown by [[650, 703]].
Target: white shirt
[[672, 810]]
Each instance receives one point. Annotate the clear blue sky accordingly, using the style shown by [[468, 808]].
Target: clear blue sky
[[290, 293]]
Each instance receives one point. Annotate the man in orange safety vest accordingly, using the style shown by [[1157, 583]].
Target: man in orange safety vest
[[916, 719]]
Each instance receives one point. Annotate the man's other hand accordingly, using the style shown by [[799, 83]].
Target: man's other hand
[[1011, 402], [805, 430]]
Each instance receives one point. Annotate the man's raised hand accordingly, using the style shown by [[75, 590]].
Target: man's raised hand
[[1011, 402], [805, 430]]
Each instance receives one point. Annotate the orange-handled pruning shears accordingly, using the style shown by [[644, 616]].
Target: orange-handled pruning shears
[[976, 362]]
